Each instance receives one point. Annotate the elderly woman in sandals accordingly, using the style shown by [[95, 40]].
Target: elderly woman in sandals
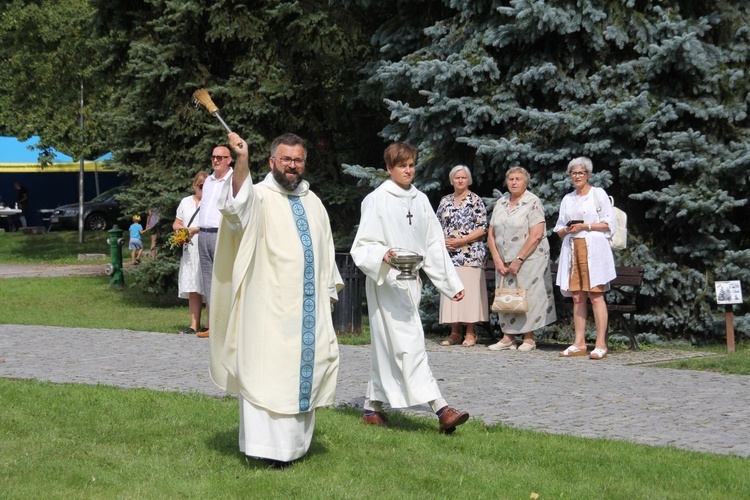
[[586, 261], [520, 251], [464, 220]]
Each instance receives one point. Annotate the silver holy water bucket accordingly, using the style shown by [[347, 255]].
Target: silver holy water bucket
[[406, 261]]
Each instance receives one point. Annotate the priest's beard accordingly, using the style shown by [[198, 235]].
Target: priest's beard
[[284, 181]]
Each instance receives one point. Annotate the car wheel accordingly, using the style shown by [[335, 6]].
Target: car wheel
[[96, 222]]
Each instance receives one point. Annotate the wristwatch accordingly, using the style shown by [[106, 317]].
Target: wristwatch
[[519, 258]]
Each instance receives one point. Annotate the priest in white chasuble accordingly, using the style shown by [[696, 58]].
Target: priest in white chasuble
[[397, 215], [274, 278]]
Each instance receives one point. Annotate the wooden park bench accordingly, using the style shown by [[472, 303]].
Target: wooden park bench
[[621, 298]]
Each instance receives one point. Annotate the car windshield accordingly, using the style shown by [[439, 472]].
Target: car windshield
[[106, 195]]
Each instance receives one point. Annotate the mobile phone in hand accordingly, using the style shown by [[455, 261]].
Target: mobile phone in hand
[[571, 222]]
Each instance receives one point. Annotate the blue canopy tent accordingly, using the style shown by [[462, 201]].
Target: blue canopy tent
[[53, 185]]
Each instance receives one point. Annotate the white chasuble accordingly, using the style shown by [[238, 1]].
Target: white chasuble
[[393, 217], [272, 336]]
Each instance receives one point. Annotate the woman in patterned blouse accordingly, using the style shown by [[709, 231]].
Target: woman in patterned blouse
[[464, 220]]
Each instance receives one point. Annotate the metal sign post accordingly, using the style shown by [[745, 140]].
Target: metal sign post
[[80, 178]]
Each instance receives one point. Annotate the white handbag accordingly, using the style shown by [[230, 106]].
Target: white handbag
[[510, 300]]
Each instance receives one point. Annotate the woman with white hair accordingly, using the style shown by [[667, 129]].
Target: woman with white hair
[[520, 251], [463, 217], [586, 261]]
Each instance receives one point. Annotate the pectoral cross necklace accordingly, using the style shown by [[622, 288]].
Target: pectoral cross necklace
[[409, 215]]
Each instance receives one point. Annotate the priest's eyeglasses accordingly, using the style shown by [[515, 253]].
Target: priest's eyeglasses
[[286, 161]]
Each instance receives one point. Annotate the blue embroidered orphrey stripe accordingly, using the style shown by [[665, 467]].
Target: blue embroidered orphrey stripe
[[307, 359]]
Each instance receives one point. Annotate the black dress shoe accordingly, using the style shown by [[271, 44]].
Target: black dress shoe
[[451, 418], [376, 418], [277, 464]]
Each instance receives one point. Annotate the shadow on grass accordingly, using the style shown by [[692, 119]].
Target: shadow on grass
[[399, 420], [153, 283], [226, 441], [227, 444], [134, 296]]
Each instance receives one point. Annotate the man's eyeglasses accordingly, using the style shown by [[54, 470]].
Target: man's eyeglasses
[[219, 158], [578, 174], [286, 160]]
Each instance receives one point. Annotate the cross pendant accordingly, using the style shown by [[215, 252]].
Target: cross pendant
[[409, 216]]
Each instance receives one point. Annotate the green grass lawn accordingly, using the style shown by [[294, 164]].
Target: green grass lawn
[[80, 441], [58, 247], [88, 302], [736, 363]]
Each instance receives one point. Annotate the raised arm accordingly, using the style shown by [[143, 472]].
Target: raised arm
[[241, 169]]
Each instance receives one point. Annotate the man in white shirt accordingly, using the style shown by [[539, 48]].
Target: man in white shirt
[[209, 218]]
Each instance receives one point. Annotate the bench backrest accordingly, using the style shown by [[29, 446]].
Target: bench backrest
[[626, 275]]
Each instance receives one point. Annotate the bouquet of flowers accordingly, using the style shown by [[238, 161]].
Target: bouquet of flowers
[[178, 239]]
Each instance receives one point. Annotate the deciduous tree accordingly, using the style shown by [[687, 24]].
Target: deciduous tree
[[47, 52]]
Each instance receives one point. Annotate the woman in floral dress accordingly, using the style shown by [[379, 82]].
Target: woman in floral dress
[[464, 220]]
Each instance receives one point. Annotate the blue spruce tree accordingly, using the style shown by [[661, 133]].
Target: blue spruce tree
[[656, 93]]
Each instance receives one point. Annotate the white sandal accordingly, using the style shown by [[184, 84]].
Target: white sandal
[[527, 346], [501, 346], [598, 354], [573, 351]]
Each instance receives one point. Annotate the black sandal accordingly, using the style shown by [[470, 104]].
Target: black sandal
[[187, 331]]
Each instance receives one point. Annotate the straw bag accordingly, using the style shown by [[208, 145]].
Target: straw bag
[[510, 300]]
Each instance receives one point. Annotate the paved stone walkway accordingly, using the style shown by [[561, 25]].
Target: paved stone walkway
[[621, 397], [49, 270]]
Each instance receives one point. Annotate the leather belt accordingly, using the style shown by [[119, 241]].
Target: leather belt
[[209, 230]]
